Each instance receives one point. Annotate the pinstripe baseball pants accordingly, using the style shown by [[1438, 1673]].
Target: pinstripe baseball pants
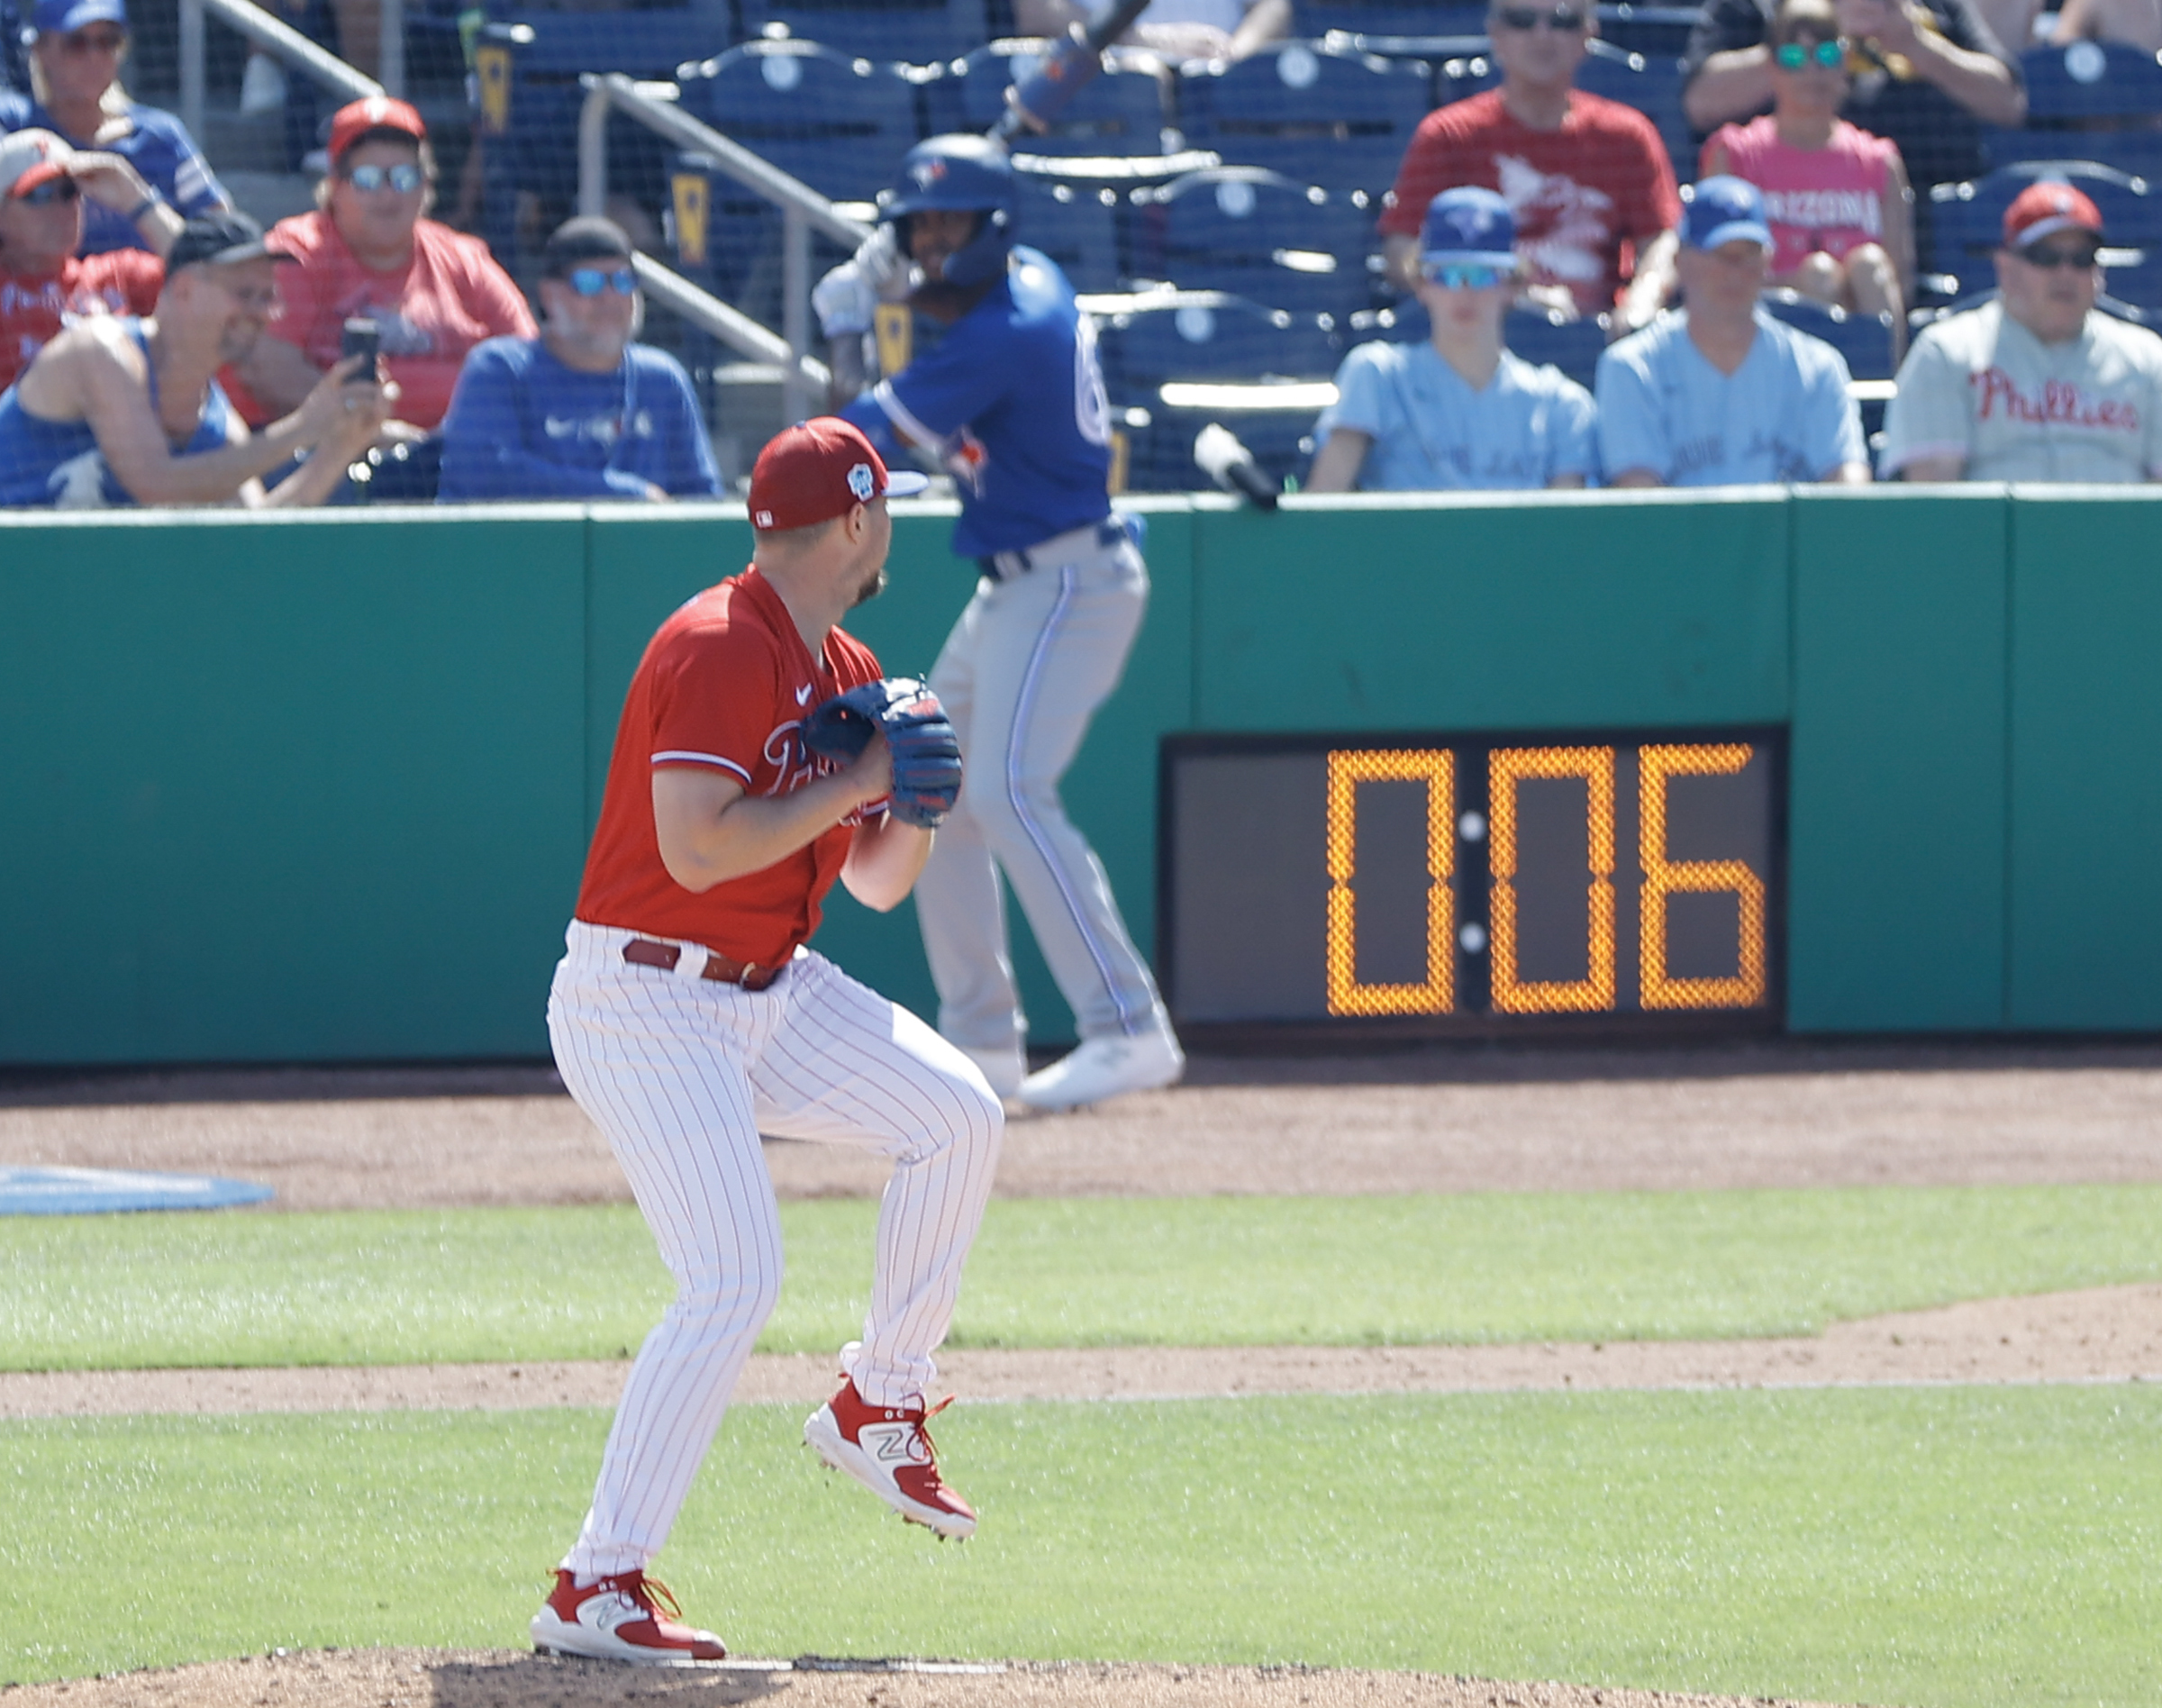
[[683, 1075], [1024, 669]]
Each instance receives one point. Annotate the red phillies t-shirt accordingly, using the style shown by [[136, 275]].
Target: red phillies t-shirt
[[33, 310], [1578, 192], [449, 297], [723, 684]]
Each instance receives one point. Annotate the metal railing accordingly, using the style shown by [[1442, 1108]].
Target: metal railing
[[279, 38], [803, 211]]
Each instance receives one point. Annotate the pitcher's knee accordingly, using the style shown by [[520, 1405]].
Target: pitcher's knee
[[717, 1306]]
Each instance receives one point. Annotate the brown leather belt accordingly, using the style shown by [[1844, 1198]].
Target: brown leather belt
[[642, 952]]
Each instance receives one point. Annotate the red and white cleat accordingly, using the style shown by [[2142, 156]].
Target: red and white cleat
[[628, 1617], [888, 1450]]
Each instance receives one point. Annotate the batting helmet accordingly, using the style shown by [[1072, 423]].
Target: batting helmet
[[960, 174]]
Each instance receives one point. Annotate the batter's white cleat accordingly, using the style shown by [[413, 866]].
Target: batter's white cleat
[[888, 1450], [1106, 1068], [1004, 1068], [628, 1617]]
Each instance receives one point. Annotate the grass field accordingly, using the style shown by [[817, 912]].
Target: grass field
[[392, 1288], [1960, 1548]]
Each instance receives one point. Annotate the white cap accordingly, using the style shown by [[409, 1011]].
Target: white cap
[[30, 158]]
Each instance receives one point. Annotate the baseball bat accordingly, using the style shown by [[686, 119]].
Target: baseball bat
[[1035, 103]]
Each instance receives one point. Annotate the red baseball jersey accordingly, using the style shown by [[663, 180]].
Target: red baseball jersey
[[33, 310], [723, 684]]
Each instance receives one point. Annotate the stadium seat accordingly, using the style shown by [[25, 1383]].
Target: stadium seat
[[1077, 225], [903, 31], [1119, 113], [2091, 80], [2137, 153], [1967, 224], [1864, 339], [1258, 234], [1159, 335], [1340, 120], [1316, 18], [1543, 336], [838, 123], [1653, 31]]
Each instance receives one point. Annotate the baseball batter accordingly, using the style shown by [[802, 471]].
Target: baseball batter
[[1012, 403], [687, 1016]]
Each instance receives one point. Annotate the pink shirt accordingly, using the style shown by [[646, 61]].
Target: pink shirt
[[1831, 198], [449, 297]]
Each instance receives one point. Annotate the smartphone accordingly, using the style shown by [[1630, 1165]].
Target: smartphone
[[362, 338]]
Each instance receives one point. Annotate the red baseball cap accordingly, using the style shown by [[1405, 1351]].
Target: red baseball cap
[[819, 469], [2041, 210], [356, 118]]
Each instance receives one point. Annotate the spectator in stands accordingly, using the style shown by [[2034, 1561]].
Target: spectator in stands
[[2138, 22], [2038, 385], [1588, 178], [581, 410], [1840, 212], [1927, 74], [121, 411], [1459, 411], [1720, 393], [44, 283], [369, 252], [76, 47], [1176, 29]]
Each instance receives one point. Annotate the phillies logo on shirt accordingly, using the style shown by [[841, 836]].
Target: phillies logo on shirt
[[2061, 405]]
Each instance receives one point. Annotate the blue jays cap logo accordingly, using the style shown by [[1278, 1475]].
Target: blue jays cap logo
[[862, 483], [927, 173], [1471, 221]]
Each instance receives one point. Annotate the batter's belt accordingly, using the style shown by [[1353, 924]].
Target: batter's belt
[[642, 951], [1004, 566]]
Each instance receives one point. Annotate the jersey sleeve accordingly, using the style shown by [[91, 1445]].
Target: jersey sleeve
[[1631, 435], [1573, 434], [1834, 430], [1928, 415], [1358, 395], [494, 300], [1654, 204], [1430, 166], [944, 389], [714, 689]]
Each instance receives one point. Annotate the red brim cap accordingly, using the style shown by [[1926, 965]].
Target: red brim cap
[[44, 172], [2043, 210], [819, 469], [356, 118]]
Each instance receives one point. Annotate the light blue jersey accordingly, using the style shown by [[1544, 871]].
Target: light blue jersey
[[1012, 402], [1432, 432], [1783, 415]]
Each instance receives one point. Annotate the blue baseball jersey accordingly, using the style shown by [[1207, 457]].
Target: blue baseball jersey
[[522, 425], [1433, 432], [158, 147], [1783, 415], [1012, 402], [57, 464]]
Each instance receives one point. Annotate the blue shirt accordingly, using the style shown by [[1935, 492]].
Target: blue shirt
[[1433, 432], [522, 425], [1783, 415], [158, 148], [57, 463], [1012, 402]]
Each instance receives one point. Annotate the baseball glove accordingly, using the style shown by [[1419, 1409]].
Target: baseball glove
[[926, 757]]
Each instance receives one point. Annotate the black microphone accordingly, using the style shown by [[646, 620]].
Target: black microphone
[[1231, 466]]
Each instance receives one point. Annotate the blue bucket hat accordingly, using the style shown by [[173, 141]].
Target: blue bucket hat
[[1723, 210], [1468, 227]]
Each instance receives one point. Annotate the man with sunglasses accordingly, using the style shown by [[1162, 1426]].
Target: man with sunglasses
[[1459, 412], [1586, 178], [119, 410], [44, 282], [582, 411], [1720, 393], [2038, 385], [75, 50]]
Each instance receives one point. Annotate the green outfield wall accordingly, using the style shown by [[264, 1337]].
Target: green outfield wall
[[317, 787]]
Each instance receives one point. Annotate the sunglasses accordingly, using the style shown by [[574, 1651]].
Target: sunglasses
[[1567, 20], [591, 281], [89, 42], [403, 179], [1793, 56], [1459, 276], [2079, 257], [51, 194]]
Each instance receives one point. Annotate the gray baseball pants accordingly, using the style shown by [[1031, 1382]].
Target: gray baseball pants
[[1032, 656]]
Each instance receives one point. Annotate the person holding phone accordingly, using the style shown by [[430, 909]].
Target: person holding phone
[[1586, 179], [369, 252], [582, 411]]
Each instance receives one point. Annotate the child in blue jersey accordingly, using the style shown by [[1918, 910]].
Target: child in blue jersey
[[1012, 402], [581, 411], [121, 411], [1720, 393], [1457, 412], [75, 49]]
